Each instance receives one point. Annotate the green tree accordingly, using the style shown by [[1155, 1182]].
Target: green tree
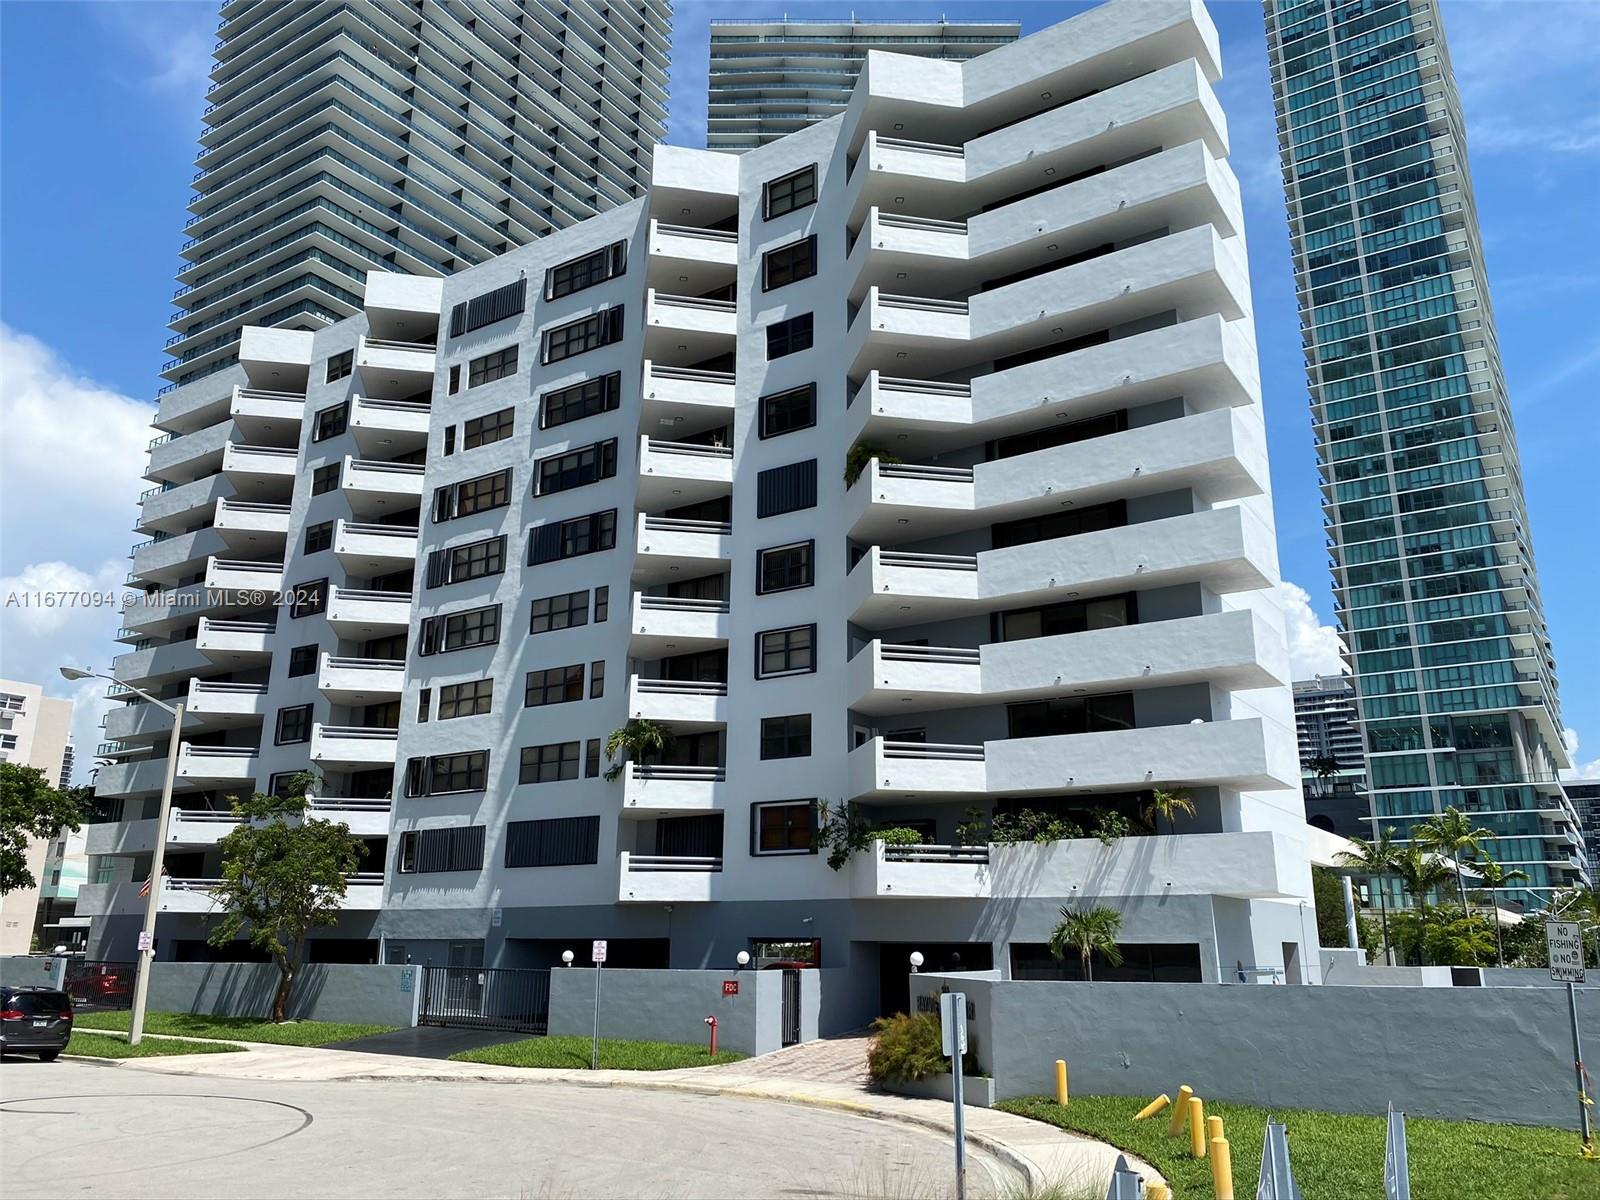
[[1165, 806], [1325, 767], [1496, 879], [1421, 874], [860, 454], [1376, 859], [1452, 835], [283, 875], [638, 740], [1089, 931], [31, 810], [1442, 935], [1329, 895]]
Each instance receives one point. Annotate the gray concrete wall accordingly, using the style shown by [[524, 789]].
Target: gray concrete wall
[[323, 992], [1497, 1054], [31, 970], [672, 1006]]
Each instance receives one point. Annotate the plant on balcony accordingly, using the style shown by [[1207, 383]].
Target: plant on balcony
[[905, 1049], [843, 831], [283, 874], [1089, 931], [30, 809], [1165, 806], [897, 835], [638, 739], [862, 453], [1031, 825], [1109, 825]]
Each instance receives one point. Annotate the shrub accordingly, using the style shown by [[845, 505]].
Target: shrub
[[905, 1049], [897, 836], [1109, 825], [1031, 825]]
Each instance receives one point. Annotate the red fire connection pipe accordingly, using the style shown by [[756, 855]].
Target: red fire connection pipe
[[712, 1021]]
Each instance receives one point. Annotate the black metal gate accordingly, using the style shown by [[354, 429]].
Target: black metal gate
[[791, 1006], [486, 998]]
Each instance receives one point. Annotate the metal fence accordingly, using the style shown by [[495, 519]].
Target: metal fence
[[486, 998], [98, 984]]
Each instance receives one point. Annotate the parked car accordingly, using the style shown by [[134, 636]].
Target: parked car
[[35, 1020], [103, 983]]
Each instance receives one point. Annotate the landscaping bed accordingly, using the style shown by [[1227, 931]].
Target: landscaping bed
[[1338, 1155], [574, 1052], [244, 1029]]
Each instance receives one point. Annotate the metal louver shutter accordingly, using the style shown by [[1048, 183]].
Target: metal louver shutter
[[544, 543], [556, 842], [786, 489]]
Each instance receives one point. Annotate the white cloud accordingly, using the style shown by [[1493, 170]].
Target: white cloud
[[72, 455], [1313, 647], [1580, 769]]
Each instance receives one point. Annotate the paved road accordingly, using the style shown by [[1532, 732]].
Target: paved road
[[72, 1129], [428, 1041]]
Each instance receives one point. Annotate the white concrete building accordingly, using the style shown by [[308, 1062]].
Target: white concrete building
[[35, 731], [1024, 315]]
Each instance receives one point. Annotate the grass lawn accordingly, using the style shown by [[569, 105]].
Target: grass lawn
[[100, 1045], [245, 1029], [573, 1052], [1336, 1155]]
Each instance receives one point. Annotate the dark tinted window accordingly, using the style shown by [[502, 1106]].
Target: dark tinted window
[[491, 367], [789, 264], [340, 365], [785, 412], [1070, 714], [790, 192], [574, 537], [785, 567], [480, 431], [786, 737], [576, 468], [585, 334], [789, 337], [786, 651], [586, 399], [330, 422], [596, 267]]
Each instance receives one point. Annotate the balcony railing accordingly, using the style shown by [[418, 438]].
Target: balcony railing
[[682, 604], [665, 862], [371, 529], [414, 347], [945, 751], [922, 304], [929, 654], [687, 449], [681, 687], [690, 374], [690, 231], [699, 302], [928, 562], [918, 471], [343, 593], [682, 774], [936, 854], [679, 525]]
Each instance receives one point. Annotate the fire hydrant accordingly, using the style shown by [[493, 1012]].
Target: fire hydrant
[[712, 1021]]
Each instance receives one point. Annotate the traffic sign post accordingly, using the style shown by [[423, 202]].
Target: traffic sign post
[[953, 1030], [597, 955], [1564, 941]]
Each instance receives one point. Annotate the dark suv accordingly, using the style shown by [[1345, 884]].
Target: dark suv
[[35, 1020]]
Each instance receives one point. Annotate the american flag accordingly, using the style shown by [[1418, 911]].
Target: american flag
[[144, 888]]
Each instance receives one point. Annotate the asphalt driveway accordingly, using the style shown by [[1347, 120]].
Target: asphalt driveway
[[429, 1041]]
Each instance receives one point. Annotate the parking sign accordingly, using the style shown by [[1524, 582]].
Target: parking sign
[[1565, 942], [597, 952]]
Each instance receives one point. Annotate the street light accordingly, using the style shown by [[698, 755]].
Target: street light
[[147, 938]]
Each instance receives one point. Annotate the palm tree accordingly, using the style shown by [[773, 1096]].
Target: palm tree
[[1089, 931], [1376, 859], [637, 739], [1453, 835], [1166, 806], [1325, 767], [1421, 874], [1496, 878]]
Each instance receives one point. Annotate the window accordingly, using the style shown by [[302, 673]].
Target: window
[[786, 651], [325, 479], [309, 598], [580, 336], [472, 496], [1069, 523], [445, 773], [789, 337], [790, 192], [319, 537], [571, 538], [303, 660], [471, 699], [787, 827], [565, 611], [554, 842], [597, 679], [602, 603], [786, 737], [575, 468], [1070, 714], [789, 264], [491, 367], [586, 399], [455, 379], [1070, 616], [294, 725], [591, 759], [459, 631], [785, 412], [783, 568], [10, 702], [424, 705], [786, 489], [549, 764], [340, 365], [475, 560], [488, 308], [480, 431], [556, 685], [605, 263], [425, 851], [285, 784], [330, 422]]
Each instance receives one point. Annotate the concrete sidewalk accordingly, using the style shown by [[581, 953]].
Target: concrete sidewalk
[[1044, 1155]]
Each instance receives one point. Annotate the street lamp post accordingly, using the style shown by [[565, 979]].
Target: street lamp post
[[147, 937]]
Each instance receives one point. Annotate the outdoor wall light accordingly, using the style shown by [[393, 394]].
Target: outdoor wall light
[[566, 958]]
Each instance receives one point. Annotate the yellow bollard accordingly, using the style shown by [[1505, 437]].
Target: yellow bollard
[[1214, 1128], [1155, 1106], [1197, 1127], [1156, 1191], [1222, 1168], [1061, 1082], [1180, 1111]]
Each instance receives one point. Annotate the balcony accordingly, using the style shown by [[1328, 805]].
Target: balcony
[[687, 329], [687, 705], [885, 770], [389, 426], [174, 508], [691, 259], [197, 827], [686, 396], [400, 368], [653, 789], [660, 879], [887, 166], [238, 575], [1229, 650], [362, 613], [352, 747], [268, 418], [676, 473], [1227, 549], [181, 458], [155, 665], [668, 546], [1217, 455], [166, 560], [221, 704], [921, 872], [256, 469], [219, 766], [371, 549], [225, 641], [360, 680], [666, 625], [248, 526], [373, 488], [364, 818]]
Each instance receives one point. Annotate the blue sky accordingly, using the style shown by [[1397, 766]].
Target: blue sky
[[100, 104]]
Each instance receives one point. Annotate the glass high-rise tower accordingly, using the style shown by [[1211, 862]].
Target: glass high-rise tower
[[1435, 586]]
